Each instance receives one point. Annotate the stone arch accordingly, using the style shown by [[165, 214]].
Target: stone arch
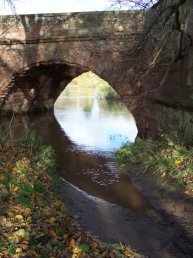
[[90, 83], [36, 87]]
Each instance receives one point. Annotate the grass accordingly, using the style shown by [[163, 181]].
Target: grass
[[168, 159], [33, 220]]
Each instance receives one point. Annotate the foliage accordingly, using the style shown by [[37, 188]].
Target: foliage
[[167, 158], [107, 92], [89, 84], [33, 220]]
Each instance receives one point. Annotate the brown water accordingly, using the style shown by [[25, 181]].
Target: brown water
[[85, 132]]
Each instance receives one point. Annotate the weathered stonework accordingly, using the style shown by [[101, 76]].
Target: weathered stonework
[[41, 54], [169, 106]]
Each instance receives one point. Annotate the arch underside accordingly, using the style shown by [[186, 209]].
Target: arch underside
[[36, 88]]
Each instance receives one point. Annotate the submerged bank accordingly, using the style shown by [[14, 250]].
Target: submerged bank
[[33, 220]]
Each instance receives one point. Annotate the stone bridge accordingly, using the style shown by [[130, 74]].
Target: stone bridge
[[40, 54]]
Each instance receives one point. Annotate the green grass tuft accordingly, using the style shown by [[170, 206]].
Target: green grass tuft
[[167, 158]]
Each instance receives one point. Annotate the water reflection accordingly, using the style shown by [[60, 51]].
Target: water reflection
[[95, 173], [95, 125]]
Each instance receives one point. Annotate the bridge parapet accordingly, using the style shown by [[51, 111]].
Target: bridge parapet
[[67, 26], [41, 53]]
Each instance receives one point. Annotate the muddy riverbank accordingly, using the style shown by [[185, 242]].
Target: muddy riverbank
[[163, 230]]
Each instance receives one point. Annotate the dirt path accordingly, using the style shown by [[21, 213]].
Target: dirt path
[[157, 232]]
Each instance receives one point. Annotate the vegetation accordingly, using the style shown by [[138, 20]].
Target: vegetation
[[167, 159], [89, 84], [33, 220], [107, 92]]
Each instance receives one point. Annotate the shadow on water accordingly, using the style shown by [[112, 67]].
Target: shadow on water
[[96, 175], [157, 233]]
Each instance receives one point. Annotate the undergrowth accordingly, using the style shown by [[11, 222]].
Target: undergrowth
[[167, 158], [33, 220]]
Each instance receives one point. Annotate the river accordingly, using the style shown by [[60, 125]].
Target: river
[[85, 133], [96, 128]]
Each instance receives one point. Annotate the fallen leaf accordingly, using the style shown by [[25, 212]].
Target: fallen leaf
[[72, 243], [21, 232], [18, 250], [53, 233], [189, 193], [19, 217], [51, 220], [94, 246]]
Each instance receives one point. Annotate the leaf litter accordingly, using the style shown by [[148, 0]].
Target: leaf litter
[[34, 222]]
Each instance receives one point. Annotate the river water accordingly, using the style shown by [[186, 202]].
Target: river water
[[86, 132], [96, 128], [89, 131]]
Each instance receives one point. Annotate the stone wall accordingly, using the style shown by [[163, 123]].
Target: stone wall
[[169, 106], [41, 54]]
